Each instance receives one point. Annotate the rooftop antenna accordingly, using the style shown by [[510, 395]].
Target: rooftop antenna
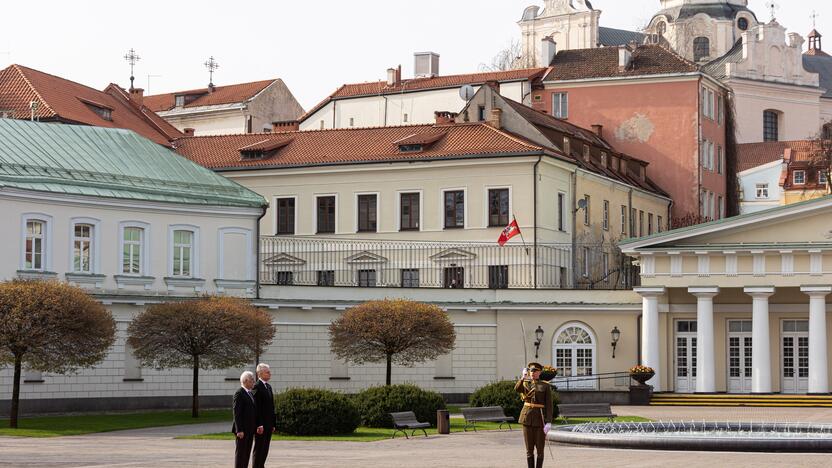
[[211, 65], [147, 91], [132, 57], [773, 6]]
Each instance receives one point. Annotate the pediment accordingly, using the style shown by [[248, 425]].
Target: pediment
[[366, 257], [284, 259], [453, 255]]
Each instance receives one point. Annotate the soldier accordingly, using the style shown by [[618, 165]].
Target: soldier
[[536, 416]]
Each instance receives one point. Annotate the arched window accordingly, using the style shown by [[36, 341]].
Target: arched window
[[771, 125], [742, 24], [661, 28], [701, 48], [574, 351], [827, 131]]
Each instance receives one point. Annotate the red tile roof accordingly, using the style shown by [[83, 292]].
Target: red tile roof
[[229, 94], [67, 101], [421, 84], [349, 146], [751, 155], [603, 63]]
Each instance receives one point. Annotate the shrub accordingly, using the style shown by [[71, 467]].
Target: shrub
[[376, 403], [502, 394], [306, 412]]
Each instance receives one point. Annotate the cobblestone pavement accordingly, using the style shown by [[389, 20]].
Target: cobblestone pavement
[[157, 449]]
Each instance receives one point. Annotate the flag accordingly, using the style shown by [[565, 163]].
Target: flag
[[510, 231]]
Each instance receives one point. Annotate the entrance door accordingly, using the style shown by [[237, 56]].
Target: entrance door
[[686, 356], [739, 356], [574, 356], [794, 342]]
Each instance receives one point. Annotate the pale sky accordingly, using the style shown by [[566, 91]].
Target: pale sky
[[314, 46]]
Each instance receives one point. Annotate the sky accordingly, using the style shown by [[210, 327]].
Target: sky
[[313, 46]]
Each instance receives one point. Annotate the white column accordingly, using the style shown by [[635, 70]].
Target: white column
[[650, 349], [705, 362], [761, 340], [818, 370]]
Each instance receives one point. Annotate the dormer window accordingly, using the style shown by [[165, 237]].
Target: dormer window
[[410, 148], [418, 141], [263, 150], [567, 146], [102, 110], [180, 100], [586, 153]]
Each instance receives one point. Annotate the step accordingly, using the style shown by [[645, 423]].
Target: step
[[752, 404]]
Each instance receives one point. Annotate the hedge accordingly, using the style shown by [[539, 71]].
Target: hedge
[[375, 404], [307, 412]]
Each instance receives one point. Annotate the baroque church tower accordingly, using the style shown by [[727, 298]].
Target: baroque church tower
[[572, 24]]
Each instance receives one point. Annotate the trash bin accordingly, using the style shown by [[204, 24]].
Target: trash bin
[[443, 422]]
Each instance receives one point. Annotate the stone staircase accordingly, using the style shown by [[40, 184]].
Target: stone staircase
[[764, 401]]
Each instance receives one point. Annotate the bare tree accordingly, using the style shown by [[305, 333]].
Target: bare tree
[[510, 58], [820, 158], [400, 331], [50, 327], [210, 333]]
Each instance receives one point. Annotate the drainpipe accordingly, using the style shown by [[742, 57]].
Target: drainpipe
[[385, 110], [699, 155], [257, 255], [534, 204], [574, 210], [334, 104]]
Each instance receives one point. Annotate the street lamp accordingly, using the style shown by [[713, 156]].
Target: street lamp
[[539, 335], [616, 335]]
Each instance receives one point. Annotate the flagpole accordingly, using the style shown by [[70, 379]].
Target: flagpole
[[514, 218]]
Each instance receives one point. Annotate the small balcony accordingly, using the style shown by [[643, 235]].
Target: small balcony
[[331, 262]]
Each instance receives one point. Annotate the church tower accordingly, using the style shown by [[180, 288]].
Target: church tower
[[571, 24]]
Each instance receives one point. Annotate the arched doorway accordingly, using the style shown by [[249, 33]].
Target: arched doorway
[[573, 352]]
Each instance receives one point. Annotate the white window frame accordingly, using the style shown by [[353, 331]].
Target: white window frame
[[557, 105], [624, 211], [275, 198], [467, 203], [587, 213], [591, 384], [315, 212], [421, 193], [586, 262], [794, 177], [486, 200], [46, 258], [251, 260], [822, 177], [194, 230], [355, 211], [761, 188], [145, 268], [95, 245]]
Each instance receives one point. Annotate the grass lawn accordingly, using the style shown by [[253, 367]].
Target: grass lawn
[[54, 426], [367, 434]]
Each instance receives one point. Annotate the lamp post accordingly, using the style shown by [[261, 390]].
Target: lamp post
[[616, 335], [539, 339]]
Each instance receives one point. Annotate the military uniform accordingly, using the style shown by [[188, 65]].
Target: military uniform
[[537, 411]]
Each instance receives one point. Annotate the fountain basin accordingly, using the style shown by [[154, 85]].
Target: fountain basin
[[699, 436]]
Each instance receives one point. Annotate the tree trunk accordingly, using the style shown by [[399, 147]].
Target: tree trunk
[[15, 393], [389, 368], [195, 398]]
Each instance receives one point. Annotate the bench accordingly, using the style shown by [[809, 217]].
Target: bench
[[406, 420], [493, 414], [590, 410]]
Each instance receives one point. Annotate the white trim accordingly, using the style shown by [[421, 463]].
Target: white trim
[[398, 207], [195, 244], [486, 201], [316, 196], [251, 261], [95, 250], [466, 203], [760, 168], [274, 218], [355, 212], [145, 269], [46, 261]]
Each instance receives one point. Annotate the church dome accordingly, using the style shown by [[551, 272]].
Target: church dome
[[716, 10]]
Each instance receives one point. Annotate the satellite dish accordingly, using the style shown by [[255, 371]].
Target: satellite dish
[[466, 92], [582, 203]]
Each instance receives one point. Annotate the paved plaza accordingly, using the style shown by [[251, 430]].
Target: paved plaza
[[157, 448]]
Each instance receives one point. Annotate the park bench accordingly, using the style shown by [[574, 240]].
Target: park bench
[[589, 410], [493, 414], [406, 421]]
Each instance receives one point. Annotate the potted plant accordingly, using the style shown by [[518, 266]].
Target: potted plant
[[548, 373], [642, 374]]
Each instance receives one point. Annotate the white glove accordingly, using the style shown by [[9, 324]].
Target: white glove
[[525, 372], [547, 428]]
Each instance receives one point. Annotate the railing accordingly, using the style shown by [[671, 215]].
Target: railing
[[306, 261], [589, 382]]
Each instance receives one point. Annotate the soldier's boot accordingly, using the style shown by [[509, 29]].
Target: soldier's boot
[[530, 461], [539, 461]]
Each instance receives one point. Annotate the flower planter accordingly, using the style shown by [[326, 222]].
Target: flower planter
[[547, 376], [642, 377]]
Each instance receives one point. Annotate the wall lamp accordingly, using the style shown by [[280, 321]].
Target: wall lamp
[[616, 335], [539, 339]]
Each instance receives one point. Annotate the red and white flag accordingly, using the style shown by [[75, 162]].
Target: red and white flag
[[510, 231]]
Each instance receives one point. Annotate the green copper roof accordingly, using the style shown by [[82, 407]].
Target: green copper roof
[[110, 163]]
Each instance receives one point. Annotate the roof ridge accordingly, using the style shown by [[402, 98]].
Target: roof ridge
[[19, 69], [514, 138], [321, 130], [271, 80]]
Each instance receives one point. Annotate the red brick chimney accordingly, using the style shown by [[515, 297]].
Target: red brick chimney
[[188, 131], [445, 117], [286, 126], [137, 96], [598, 129]]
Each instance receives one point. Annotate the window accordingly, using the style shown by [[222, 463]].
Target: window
[[285, 278], [707, 103], [586, 263], [574, 353], [326, 215], [606, 215], [762, 190], [587, 216], [82, 248], [586, 153], [367, 278], [560, 105], [711, 155], [720, 110], [454, 209], [649, 224], [454, 278], [409, 212], [742, 24], [561, 211], [661, 28], [822, 179], [827, 131], [180, 100], [183, 246], [720, 207], [35, 254], [411, 148], [404, 118], [104, 112], [623, 220], [367, 213], [410, 278], [633, 218], [285, 216], [352, 122], [498, 277], [605, 264], [701, 48], [720, 158], [326, 278], [322, 124], [771, 126], [711, 208], [498, 207], [567, 146], [640, 223], [799, 177], [132, 262], [481, 114], [659, 225]]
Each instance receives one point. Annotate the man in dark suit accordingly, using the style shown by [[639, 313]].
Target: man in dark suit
[[266, 421], [245, 420]]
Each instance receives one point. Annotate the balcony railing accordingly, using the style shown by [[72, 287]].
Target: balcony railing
[[307, 261]]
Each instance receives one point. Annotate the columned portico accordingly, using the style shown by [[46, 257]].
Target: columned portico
[[650, 349], [705, 362], [761, 336], [818, 370]]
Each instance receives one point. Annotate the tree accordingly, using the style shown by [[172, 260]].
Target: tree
[[510, 58], [209, 333], [820, 157], [400, 331], [50, 327]]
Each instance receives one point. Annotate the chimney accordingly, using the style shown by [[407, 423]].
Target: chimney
[[426, 64], [211, 88], [286, 126], [625, 58], [445, 117], [137, 96], [188, 132], [391, 77], [496, 117], [548, 49], [598, 129], [493, 84]]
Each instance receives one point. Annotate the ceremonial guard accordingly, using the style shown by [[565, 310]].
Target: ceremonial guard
[[536, 415]]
